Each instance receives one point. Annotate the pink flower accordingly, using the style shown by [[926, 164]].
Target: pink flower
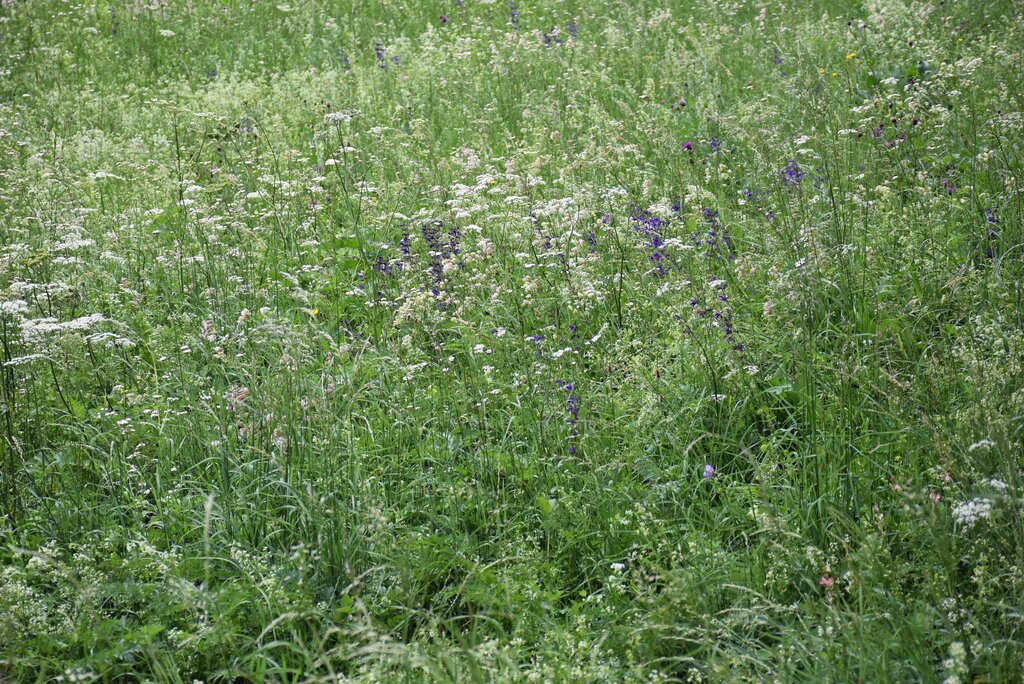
[[826, 581]]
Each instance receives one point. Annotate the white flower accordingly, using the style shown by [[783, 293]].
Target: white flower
[[998, 485], [337, 117], [14, 307], [967, 513], [167, 33]]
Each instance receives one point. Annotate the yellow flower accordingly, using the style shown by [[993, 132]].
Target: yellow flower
[[850, 56], [821, 72], [314, 312], [835, 74]]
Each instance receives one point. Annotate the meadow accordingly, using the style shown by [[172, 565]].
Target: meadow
[[529, 341]]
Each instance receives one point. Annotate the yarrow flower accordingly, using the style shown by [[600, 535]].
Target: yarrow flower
[[968, 513]]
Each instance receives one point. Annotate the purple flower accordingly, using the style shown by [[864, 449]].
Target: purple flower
[[792, 174], [688, 146], [444, 19], [709, 471]]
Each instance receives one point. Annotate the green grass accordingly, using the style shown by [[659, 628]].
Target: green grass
[[319, 365]]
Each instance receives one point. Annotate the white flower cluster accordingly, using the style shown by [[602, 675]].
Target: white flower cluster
[[967, 513]]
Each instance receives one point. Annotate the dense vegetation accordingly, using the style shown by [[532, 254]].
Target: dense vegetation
[[471, 340]]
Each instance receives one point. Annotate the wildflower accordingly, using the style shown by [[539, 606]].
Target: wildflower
[[851, 56], [968, 513], [826, 581], [792, 174], [444, 19], [14, 307], [688, 146], [709, 471]]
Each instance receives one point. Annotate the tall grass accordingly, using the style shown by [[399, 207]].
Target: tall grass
[[560, 341]]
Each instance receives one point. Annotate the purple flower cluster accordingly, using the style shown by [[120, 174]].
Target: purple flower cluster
[[441, 245], [792, 174], [719, 313], [714, 237], [572, 409], [652, 228], [756, 195]]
